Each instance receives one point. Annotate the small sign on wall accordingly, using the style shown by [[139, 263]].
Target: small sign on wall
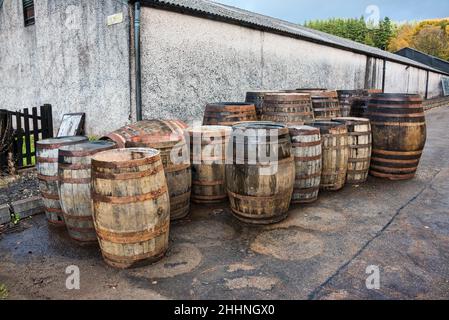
[[445, 83], [115, 19]]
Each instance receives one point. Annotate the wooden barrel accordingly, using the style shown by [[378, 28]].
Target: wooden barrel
[[306, 148], [257, 98], [131, 206], [133, 131], [208, 155], [399, 135], [287, 108], [175, 158], [360, 145], [345, 98], [325, 104], [334, 137], [47, 168], [229, 113], [75, 188], [259, 189]]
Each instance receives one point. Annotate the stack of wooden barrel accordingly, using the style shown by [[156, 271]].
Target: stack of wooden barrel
[[276, 149]]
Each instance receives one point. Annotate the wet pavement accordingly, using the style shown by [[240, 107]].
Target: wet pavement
[[322, 251]]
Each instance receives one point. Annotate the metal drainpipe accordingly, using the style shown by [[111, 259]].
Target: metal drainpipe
[[384, 72], [427, 85], [138, 63]]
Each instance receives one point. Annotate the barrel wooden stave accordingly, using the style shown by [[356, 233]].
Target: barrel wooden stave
[[399, 135], [47, 168], [287, 108], [75, 188], [208, 145], [260, 193], [131, 206], [360, 147], [306, 148], [335, 151], [229, 113]]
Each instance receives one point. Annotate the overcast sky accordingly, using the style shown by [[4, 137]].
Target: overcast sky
[[299, 11]]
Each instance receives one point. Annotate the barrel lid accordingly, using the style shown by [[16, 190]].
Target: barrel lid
[[58, 142], [303, 130], [260, 125], [351, 120], [123, 158], [209, 130], [286, 96], [86, 148], [326, 126]]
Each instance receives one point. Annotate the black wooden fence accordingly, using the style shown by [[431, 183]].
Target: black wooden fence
[[27, 127]]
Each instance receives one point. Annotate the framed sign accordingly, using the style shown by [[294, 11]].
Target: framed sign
[[72, 125], [445, 83]]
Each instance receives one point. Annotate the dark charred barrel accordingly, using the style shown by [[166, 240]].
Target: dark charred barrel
[[306, 148], [325, 104], [229, 113], [75, 188], [359, 106], [399, 135], [257, 98], [287, 108], [175, 158], [261, 177], [47, 168], [345, 98], [334, 137], [208, 145], [144, 128], [360, 145], [131, 206]]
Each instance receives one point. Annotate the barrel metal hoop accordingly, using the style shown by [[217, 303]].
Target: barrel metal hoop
[[398, 153], [49, 196], [130, 199], [74, 166], [306, 144], [255, 198], [46, 160], [319, 157], [207, 183], [132, 237], [47, 178], [176, 168], [54, 210], [127, 175]]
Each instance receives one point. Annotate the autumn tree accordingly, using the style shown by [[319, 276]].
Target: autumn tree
[[432, 40]]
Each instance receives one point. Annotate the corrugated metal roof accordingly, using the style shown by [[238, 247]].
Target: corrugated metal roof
[[217, 11], [424, 58]]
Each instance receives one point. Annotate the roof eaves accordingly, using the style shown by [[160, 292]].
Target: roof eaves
[[194, 8]]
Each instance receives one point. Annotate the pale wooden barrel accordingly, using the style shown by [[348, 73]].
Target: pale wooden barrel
[[75, 188], [306, 148], [47, 168], [334, 137], [360, 146], [257, 97], [260, 191], [131, 206], [208, 155], [175, 158]]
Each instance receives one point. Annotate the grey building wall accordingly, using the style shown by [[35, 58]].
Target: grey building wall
[[70, 58], [189, 61]]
